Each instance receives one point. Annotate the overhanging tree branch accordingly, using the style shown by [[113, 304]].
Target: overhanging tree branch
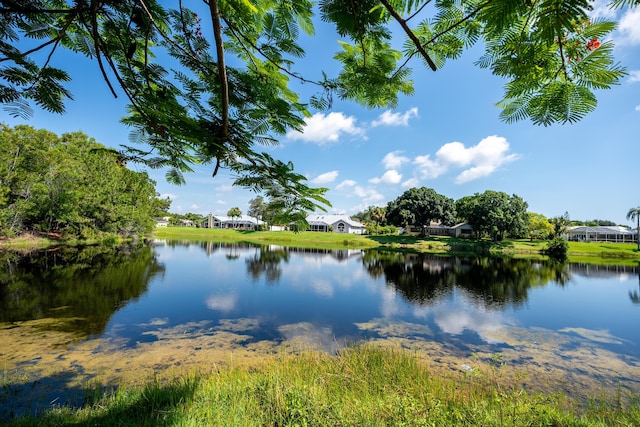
[[409, 33], [222, 69], [441, 33]]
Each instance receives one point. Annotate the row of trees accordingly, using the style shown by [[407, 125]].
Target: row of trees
[[70, 185], [492, 213]]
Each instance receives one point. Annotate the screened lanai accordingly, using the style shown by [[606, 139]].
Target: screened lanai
[[617, 234]]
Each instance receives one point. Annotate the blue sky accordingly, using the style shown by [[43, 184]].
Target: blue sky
[[447, 136]]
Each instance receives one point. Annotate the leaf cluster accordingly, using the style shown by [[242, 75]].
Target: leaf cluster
[[69, 185], [212, 83], [419, 207], [495, 213]]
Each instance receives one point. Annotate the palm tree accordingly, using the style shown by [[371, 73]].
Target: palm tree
[[377, 214], [234, 213], [634, 213]]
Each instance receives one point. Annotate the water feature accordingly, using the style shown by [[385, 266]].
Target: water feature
[[75, 319]]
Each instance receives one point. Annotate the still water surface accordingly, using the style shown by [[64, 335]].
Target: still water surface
[[73, 319]]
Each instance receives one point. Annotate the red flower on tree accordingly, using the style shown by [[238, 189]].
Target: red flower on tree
[[593, 44]]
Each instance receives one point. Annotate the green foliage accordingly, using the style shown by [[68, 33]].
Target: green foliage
[[634, 213], [214, 100], [360, 386], [386, 230], [69, 185], [558, 249], [539, 227], [234, 212], [560, 225], [495, 214], [420, 206], [257, 207]]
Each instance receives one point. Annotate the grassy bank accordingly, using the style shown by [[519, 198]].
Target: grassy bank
[[362, 386], [29, 242], [578, 251], [594, 252]]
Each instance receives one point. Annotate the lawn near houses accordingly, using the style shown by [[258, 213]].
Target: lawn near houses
[[588, 252], [593, 252]]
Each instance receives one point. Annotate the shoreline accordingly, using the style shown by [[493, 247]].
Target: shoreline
[[586, 252]]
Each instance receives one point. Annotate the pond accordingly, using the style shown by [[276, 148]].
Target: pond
[[76, 320]]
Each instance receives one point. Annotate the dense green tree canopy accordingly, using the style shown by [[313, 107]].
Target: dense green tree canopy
[[420, 206], [257, 207], [215, 99], [495, 214], [539, 226], [70, 185]]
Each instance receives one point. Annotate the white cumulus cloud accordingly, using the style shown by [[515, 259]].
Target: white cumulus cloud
[[479, 160], [393, 160], [369, 196], [601, 9], [347, 183], [474, 173], [634, 76], [395, 119], [629, 27], [168, 196], [389, 177], [325, 178], [427, 168], [323, 129], [411, 182]]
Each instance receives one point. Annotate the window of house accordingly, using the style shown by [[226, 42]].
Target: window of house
[[341, 227]]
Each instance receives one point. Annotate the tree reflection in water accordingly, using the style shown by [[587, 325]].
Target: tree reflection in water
[[88, 284], [502, 281], [266, 261]]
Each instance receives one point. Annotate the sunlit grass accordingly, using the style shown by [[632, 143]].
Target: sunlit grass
[[301, 239], [362, 386], [592, 252], [578, 251]]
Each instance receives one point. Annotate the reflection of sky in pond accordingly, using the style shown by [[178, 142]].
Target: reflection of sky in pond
[[188, 305], [325, 295]]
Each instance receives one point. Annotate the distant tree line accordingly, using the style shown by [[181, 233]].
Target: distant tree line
[[492, 214], [72, 186]]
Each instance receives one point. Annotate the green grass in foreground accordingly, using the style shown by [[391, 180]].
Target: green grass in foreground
[[363, 386]]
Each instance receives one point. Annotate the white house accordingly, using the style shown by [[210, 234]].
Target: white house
[[243, 222], [584, 233], [335, 223]]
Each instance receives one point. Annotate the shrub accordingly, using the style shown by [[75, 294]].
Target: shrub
[[558, 249]]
